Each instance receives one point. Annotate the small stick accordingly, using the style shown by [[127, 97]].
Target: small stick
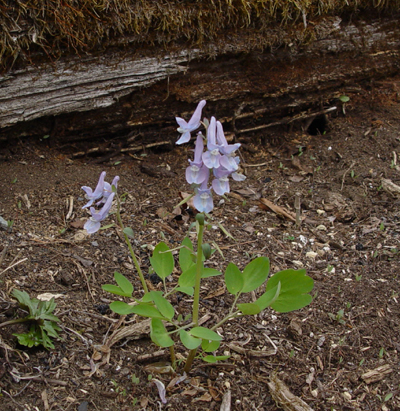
[[344, 175], [13, 265], [71, 207], [297, 206]]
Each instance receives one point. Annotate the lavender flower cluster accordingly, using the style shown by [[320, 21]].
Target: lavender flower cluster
[[104, 193], [219, 159]]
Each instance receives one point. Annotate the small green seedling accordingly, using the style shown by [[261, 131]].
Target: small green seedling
[[43, 322], [338, 317]]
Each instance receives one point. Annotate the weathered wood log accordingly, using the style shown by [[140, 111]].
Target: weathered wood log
[[116, 94]]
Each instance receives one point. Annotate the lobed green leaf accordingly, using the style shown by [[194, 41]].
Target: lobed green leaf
[[162, 260], [295, 285], [159, 335], [233, 279], [205, 334], [188, 340], [186, 254], [255, 273]]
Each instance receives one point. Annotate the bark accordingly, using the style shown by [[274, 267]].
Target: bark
[[118, 94]]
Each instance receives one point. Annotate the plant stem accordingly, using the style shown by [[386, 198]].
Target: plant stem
[[227, 318], [199, 269], [129, 244], [18, 320], [196, 295]]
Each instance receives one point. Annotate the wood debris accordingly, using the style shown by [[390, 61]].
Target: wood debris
[[284, 398], [377, 374]]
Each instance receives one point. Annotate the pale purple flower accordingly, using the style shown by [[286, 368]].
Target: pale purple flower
[[203, 200], [211, 158], [161, 390], [230, 162], [221, 182], [185, 128], [196, 173], [97, 193], [224, 147], [238, 176], [93, 224], [108, 189]]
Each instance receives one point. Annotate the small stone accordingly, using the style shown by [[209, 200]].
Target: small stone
[[311, 254], [298, 263], [321, 227]]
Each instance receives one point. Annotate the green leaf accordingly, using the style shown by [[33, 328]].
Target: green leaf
[[114, 289], [129, 232], [124, 283], [205, 334], [188, 277], [124, 288], [159, 334], [295, 285], [249, 308], [233, 279], [147, 310], [189, 341], [163, 305], [162, 260], [269, 297], [255, 273], [186, 255], [186, 290], [211, 359], [210, 272], [344, 99], [121, 308], [24, 300], [210, 346]]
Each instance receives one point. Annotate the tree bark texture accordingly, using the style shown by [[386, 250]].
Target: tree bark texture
[[121, 94]]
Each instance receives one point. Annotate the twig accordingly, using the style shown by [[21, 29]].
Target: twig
[[344, 175], [286, 120], [71, 207], [13, 265]]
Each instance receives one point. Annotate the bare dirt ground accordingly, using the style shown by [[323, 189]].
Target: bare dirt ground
[[348, 243]]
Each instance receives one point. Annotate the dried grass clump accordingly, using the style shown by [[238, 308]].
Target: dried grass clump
[[31, 27]]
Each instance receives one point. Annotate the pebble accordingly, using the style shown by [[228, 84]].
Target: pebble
[[3, 223], [322, 227], [311, 254]]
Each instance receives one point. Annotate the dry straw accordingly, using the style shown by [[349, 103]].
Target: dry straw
[[33, 30]]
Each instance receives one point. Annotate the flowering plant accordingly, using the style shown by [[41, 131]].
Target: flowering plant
[[285, 291]]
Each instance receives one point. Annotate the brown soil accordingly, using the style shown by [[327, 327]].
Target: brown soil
[[349, 244]]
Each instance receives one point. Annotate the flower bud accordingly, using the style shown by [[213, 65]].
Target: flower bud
[[206, 250], [200, 218]]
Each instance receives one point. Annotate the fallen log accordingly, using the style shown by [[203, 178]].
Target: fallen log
[[119, 93]]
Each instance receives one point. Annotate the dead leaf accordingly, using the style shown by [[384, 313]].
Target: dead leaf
[[78, 223], [205, 397], [296, 179], [212, 294]]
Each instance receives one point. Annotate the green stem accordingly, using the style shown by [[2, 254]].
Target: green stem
[[129, 244], [199, 269], [196, 295], [18, 320], [227, 318]]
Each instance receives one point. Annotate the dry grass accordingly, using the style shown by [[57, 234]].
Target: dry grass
[[53, 27]]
